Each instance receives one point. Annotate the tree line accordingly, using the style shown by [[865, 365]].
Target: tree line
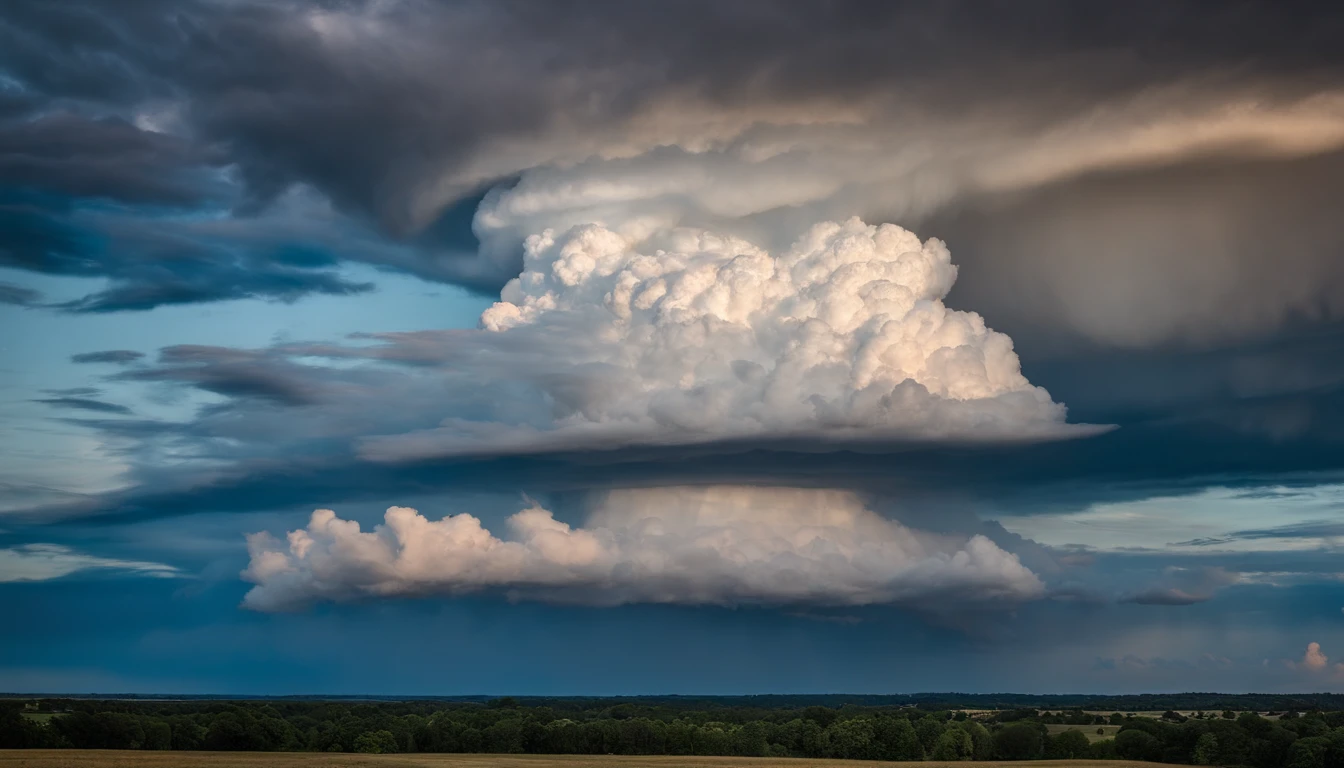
[[1313, 739]]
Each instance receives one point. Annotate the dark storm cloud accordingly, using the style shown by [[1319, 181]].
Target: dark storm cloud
[[18, 295], [1275, 389], [1169, 596], [154, 259], [114, 356], [211, 284], [84, 404], [35, 235], [90, 51], [102, 158], [294, 107], [84, 191], [402, 112], [232, 373], [153, 262], [1199, 252], [997, 481]]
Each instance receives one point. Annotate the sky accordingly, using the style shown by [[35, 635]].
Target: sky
[[604, 348]]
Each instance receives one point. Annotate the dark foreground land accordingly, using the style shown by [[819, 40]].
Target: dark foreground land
[[121, 759], [653, 731]]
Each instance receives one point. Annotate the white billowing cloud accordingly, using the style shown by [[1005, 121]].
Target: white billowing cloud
[[715, 545], [42, 562], [708, 337], [1314, 659]]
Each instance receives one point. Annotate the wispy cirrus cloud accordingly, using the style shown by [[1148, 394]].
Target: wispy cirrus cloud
[[43, 562], [1324, 530]]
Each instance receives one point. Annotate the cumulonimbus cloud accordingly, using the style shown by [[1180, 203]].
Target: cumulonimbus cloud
[[708, 337], [697, 546]]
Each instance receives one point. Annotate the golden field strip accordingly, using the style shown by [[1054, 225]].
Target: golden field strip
[[75, 758]]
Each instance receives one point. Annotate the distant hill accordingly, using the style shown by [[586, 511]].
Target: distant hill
[[951, 700]]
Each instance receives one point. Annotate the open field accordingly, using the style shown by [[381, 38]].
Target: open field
[[94, 758]]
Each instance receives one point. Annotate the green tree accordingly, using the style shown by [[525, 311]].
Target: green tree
[[895, 739], [953, 744], [1206, 750], [186, 733], [929, 728], [747, 741], [376, 743], [1019, 741], [852, 739], [815, 740], [712, 739], [982, 743], [1069, 745], [227, 733], [470, 740], [1311, 724], [1308, 753], [1334, 757], [822, 716], [19, 732], [803, 738], [158, 734], [1134, 744], [1102, 750]]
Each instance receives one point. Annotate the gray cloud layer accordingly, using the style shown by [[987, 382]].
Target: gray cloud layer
[[1206, 164]]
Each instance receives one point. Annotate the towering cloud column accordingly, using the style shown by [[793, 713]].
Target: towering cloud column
[[687, 336]]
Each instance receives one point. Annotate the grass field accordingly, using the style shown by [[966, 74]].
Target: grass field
[[1090, 731], [75, 758]]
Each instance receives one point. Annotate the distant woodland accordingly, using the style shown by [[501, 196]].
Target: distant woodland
[[1196, 729]]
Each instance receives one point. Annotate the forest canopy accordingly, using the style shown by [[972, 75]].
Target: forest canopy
[[1299, 735]]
